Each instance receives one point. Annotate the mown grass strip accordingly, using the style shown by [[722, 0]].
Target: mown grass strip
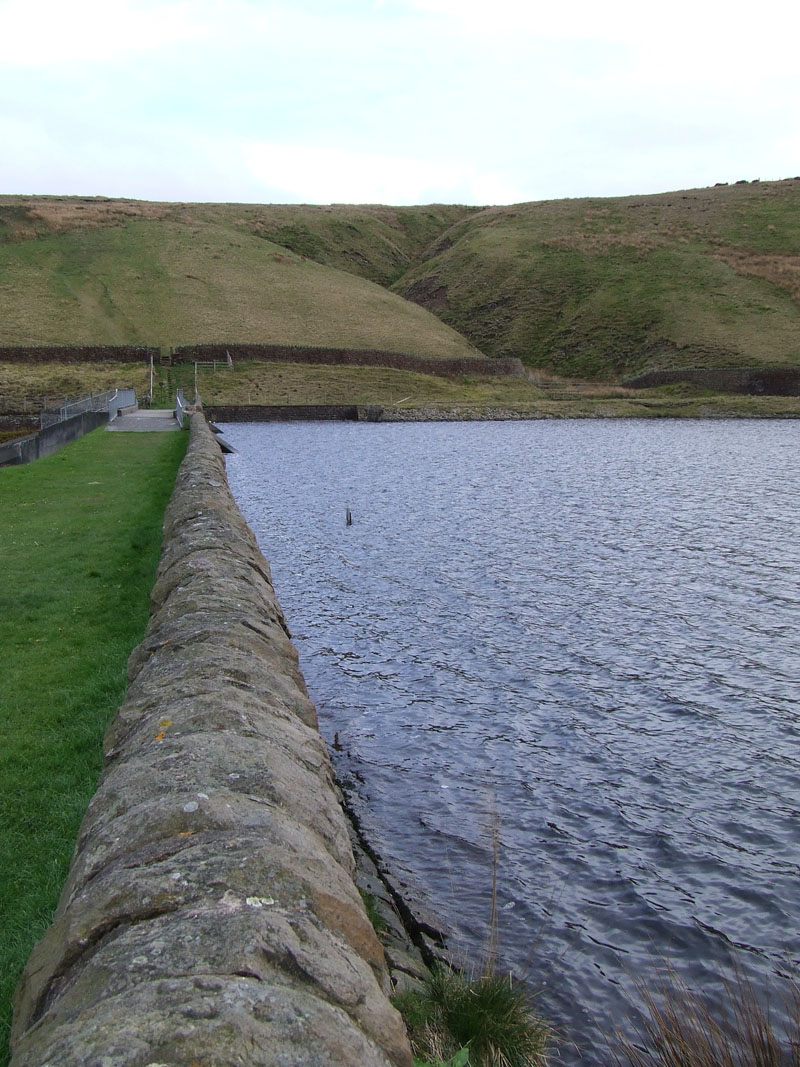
[[80, 535]]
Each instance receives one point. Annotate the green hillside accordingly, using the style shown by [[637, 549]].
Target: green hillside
[[609, 287], [589, 288], [113, 272]]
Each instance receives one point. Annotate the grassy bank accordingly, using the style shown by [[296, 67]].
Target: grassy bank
[[297, 383], [470, 396], [23, 386], [543, 396], [80, 535]]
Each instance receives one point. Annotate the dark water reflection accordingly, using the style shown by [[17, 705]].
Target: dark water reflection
[[584, 631]]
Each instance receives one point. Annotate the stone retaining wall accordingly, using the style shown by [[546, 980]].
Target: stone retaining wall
[[282, 412], [210, 915], [49, 440]]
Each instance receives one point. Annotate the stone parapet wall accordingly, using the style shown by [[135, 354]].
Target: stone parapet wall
[[210, 915]]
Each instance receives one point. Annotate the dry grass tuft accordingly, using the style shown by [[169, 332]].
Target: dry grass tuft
[[781, 270], [681, 1029], [602, 243]]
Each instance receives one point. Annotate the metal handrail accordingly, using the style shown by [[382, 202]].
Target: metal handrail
[[76, 406], [181, 412]]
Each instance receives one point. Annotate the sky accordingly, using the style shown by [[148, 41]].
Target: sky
[[394, 101]]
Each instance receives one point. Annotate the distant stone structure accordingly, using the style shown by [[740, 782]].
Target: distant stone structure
[[752, 381]]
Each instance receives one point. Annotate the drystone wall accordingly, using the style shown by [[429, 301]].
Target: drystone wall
[[352, 357], [77, 353], [210, 915], [753, 381]]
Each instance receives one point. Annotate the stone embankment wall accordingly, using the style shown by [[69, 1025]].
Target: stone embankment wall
[[210, 914], [337, 357]]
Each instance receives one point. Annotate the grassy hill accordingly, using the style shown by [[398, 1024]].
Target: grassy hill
[[99, 271], [590, 288], [605, 288]]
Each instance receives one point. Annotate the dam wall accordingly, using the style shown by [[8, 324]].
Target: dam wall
[[265, 353], [210, 915], [286, 412]]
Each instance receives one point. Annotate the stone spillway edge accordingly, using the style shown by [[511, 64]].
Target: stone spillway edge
[[210, 915]]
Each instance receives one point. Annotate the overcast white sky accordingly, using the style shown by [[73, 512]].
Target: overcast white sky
[[394, 101]]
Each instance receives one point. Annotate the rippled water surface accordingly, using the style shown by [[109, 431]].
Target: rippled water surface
[[584, 633]]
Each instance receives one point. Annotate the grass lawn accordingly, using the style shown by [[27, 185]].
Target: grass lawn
[[80, 535]]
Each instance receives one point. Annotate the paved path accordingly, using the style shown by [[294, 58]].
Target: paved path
[[144, 421]]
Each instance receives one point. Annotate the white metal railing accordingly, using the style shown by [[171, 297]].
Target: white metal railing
[[122, 398], [212, 363], [76, 406], [110, 400], [181, 413]]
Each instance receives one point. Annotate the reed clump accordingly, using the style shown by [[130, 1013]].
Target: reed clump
[[489, 1015], [480, 1020]]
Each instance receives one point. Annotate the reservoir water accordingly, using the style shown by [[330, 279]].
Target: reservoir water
[[579, 637]]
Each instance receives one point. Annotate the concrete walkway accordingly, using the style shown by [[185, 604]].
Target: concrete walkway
[[145, 421]]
